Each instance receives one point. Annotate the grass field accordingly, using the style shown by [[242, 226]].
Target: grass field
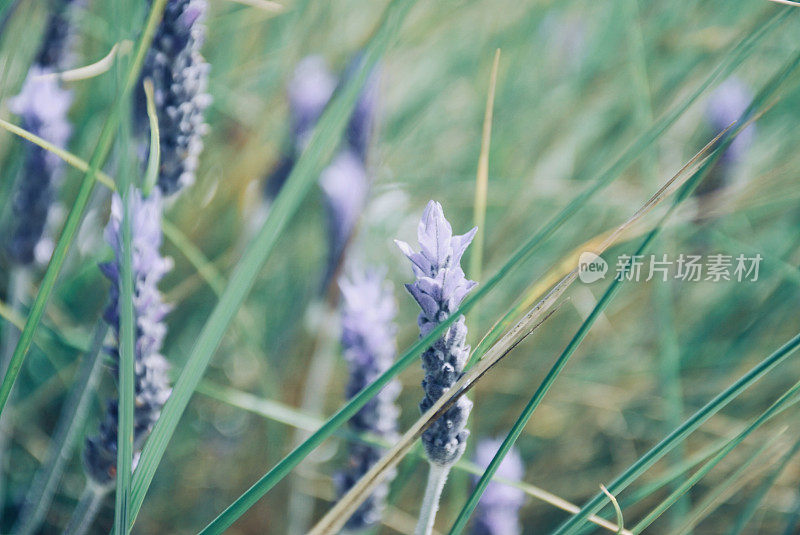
[[597, 106]]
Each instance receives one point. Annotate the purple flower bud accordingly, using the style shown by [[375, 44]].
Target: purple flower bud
[[151, 383], [726, 105], [368, 341], [42, 106], [180, 81], [345, 186], [439, 288]]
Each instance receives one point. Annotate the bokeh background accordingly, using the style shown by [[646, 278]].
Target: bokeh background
[[578, 82]]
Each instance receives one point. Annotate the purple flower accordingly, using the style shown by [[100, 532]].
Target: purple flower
[[151, 382], [726, 105], [180, 81], [42, 106], [345, 186], [439, 288], [309, 91], [368, 341], [498, 508]]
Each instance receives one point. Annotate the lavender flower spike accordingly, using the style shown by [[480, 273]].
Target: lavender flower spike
[[439, 288], [151, 384], [42, 106], [498, 508], [368, 340], [180, 81]]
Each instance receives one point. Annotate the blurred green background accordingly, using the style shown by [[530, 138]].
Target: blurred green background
[[578, 82]]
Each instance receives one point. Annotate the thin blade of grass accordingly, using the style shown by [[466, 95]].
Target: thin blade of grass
[[723, 490], [779, 405], [320, 149], [482, 177], [751, 507], [75, 216], [154, 156]]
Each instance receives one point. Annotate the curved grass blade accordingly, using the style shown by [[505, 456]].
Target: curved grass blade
[[779, 405], [154, 156], [79, 205], [320, 149]]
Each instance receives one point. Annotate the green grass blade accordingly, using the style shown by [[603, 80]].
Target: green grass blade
[[752, 505], [320, 149], [784, 401], [541, 391], [101, 151], [126, 374], [721, 491]]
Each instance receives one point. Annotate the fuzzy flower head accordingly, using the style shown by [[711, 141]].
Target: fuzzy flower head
[[368, 341], [151, 382], [180, 81], [439, 288], [498, 508], [42, 106]]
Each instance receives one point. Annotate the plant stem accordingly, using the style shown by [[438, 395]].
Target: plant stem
[[437, 476], [86, 510]]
